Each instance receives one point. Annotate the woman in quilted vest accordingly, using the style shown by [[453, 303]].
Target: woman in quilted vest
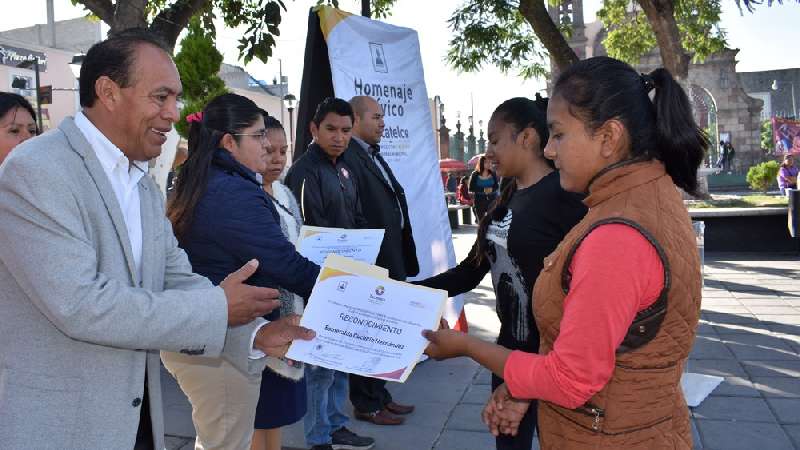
[[617, 303]]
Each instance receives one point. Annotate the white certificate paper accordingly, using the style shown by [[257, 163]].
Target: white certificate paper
[[367, 324], [315, 243]]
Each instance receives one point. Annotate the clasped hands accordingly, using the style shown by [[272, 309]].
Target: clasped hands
[[503, 413], [246, 303]]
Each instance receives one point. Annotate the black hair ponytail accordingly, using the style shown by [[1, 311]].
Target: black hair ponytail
[[599, 89], [680, 142]]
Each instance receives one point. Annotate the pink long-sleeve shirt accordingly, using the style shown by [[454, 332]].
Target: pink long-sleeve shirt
[[616, 273]]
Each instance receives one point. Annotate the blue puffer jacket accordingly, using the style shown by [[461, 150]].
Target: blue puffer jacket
[[235, 222]]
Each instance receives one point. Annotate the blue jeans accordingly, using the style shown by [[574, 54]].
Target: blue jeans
[[327, 395]]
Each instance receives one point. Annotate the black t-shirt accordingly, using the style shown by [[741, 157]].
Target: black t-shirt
[[519, 237]]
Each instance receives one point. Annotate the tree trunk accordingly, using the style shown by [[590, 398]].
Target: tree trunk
[[128, 14], [535, 12], [661, 15], [169, 23], [365, 9]]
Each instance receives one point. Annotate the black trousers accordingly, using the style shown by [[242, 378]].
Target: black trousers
[[144, 435], [524, 438], [368, 394]]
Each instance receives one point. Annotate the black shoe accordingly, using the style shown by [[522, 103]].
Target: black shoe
[[322, 447], [344, 439]]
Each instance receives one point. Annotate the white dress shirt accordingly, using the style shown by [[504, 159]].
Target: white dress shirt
[[124, 177]]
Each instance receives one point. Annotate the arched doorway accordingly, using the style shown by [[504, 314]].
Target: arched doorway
[[704, 109]]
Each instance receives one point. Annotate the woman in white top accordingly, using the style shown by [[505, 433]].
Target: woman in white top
[[283, 389]]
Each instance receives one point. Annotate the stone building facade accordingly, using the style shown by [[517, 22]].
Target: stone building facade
[[721, 103]]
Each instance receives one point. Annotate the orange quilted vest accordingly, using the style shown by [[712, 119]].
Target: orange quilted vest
[[642, 406]]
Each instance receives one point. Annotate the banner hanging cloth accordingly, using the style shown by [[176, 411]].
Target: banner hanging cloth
[[383, 61]]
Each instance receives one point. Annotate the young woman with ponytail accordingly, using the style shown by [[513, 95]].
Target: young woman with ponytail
[[222, 217], [617, 303], [524, 225]]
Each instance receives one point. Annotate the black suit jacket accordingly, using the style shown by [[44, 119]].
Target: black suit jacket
[[379, 205]]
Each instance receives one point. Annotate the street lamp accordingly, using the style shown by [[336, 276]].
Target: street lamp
[[794, 106], [75, 67], [290, 99], [26, 65]]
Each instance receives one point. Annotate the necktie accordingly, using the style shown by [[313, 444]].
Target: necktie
[[383, 166]]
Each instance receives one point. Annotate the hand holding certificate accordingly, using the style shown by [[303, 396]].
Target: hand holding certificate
[[367, 324]]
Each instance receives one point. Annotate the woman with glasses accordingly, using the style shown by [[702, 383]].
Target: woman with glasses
[[223, 218], [17, 122]]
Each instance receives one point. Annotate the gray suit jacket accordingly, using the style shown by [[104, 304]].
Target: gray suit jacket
[[79, 330]]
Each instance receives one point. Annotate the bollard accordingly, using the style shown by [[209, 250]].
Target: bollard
[[700, 237], [794, 211]]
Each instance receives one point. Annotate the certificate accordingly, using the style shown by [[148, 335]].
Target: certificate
[[367, 324], [315, 243]]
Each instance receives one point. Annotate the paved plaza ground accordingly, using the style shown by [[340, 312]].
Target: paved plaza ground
[[749, 334]]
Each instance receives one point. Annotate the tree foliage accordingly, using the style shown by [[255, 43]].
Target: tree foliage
[[168, 18], [377, 9], [198, 63], [630, 34], [761, 176], [495, 32], [750, 5], [767, 138]]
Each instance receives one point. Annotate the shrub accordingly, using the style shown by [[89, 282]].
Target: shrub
[[761, 176]]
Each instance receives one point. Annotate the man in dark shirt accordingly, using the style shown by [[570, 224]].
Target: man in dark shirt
[[384, 206], [328, 196]]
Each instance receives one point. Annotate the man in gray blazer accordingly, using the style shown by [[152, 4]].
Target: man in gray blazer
[[92, 281]]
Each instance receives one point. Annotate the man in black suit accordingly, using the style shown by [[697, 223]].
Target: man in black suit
[[383, 204]]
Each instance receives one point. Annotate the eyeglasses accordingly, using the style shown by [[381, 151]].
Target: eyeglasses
[[261, 135]]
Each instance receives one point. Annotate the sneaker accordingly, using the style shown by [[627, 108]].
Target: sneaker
[[344, 439], [322, 447]]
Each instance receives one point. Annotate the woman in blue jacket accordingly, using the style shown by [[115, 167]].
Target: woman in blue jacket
[[223, 218]]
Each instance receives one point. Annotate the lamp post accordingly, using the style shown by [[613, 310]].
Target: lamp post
[[290, 99], [794, 105], [75, 67], [35, 63]]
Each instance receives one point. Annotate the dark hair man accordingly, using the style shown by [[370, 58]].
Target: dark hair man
[[94, 283], [384, 205], [328, 195]]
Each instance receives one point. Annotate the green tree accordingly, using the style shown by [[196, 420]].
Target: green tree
[[632, 31], [767, 138], [761, 176], [198, 63], [168, 18], [516, 34]]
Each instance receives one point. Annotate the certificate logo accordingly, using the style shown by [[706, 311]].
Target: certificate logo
[[377, 299], [341, 286]]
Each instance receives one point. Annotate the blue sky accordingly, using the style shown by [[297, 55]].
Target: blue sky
[[768, 39]]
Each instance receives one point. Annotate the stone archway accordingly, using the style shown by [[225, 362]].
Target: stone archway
[[737, 112], [704, 108]]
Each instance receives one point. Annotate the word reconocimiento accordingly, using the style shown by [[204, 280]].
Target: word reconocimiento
[[370, 323]]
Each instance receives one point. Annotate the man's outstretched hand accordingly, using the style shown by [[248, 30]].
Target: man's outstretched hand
[[275, 337], [245, 302]]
